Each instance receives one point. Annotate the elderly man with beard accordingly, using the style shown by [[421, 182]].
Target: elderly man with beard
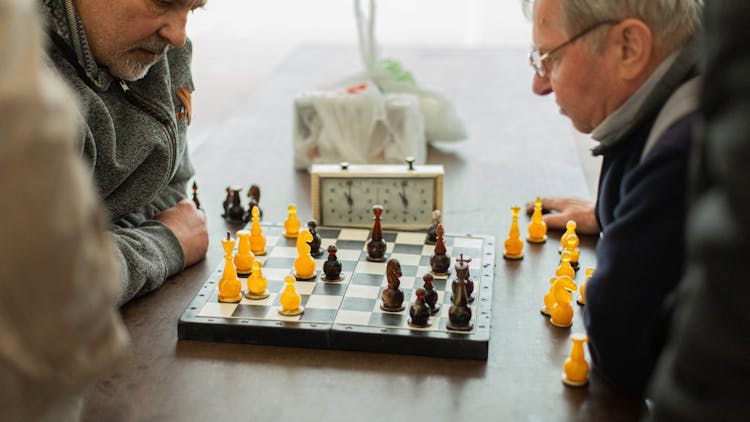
[[128, 62]]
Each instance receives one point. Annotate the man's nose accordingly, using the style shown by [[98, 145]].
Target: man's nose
[[541, 86], [173, 28]]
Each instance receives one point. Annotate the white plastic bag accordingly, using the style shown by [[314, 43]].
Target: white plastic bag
[[378, 116]]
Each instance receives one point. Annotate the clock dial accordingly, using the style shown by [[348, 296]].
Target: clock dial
[[406, 201]]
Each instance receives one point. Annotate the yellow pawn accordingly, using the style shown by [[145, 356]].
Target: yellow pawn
[[257, 239], [537, 227], [561, 314], [291, 225], [570, 231], [582, 290], [572, 247], [290, 299], [256, 284], [304, 265], [514, 244], [576, 369], [229, 285], [565, 268], [244, 258]]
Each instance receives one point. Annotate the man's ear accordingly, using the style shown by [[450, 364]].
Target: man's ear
[[634, 41]]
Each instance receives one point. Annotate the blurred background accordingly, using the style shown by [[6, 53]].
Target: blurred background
[[237, 44]]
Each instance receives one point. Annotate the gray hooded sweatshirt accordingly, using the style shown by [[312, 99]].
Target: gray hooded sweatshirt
[[133, 137]]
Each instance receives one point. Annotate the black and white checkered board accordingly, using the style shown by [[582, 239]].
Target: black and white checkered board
[[347, 314]]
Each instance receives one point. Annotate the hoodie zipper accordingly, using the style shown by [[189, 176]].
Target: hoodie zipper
[[154, 112]]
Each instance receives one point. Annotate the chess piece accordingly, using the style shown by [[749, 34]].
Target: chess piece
[[576, 369], [392, 298], [571, 246], [235, 213], [565, 268], [304, 265], [537, 226], [440, 261], [459, 314], [227, 202], [290, 300], [315, 249], [257, 239], [561, 314], [582, 289], [514, 244], [256, 284], [432, 230], [332, 266], [229, 285], [195, 195], [570, 231], [430, 295], [292, 223], [253, 196], [549, 298], [419, 312], [244, 258], [467, 279], [376, 246]]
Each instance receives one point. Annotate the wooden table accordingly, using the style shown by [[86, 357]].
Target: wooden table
[[518, 147]]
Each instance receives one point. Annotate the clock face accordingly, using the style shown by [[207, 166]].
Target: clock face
[[406, 201]]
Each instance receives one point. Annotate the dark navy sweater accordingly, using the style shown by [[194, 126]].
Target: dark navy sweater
[[641, 210]]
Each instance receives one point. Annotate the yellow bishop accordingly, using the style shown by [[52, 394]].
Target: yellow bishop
[[257, 239], [290, 300], [514, 244]]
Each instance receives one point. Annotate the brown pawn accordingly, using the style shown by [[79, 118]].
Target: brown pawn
[[440, 261], [332, 266], [315, 243], [393, 296], [419, 311], [431, 295], [376, 245]]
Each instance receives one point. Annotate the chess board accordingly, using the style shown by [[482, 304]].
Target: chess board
[[346, 314]]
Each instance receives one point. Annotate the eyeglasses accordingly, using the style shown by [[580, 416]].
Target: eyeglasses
[[537, 58]]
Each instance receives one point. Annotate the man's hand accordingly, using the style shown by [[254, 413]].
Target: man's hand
[[189, 225], [563, 209]]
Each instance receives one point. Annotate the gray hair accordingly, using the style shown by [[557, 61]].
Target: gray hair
[[672, 22]]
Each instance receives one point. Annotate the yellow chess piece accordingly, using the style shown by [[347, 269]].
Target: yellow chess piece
[[576, 369], [514, 244], [257, 239], [549, 300], [561, 314], [582, 290], [304, 265], [229, 285], [244, 258], [572, 247], [256, 284], [570, 231], [291, 225], [290, 299], [537, 227], [565, 268]]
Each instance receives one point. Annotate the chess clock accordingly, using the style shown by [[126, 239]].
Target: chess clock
[[343, 194]]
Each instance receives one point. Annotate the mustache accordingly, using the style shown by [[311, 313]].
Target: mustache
[[155, 44]]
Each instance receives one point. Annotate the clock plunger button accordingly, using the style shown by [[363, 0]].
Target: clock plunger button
[[410, 161], [344, 165]]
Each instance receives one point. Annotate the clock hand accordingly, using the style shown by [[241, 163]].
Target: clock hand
[[402, 194], [348, 195]]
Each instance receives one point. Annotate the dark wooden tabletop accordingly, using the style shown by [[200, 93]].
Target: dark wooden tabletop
[[518, 147]]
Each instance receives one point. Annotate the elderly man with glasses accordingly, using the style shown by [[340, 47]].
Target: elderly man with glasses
[[625, 72]]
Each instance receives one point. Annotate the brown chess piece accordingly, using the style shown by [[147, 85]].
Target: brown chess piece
[[392, 298], [459, 314], [195, 195], [431, 295], [236, 212], [376, 245], [253, 196], [332, 266], [440, 261], [315, 249], [419, 312]]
